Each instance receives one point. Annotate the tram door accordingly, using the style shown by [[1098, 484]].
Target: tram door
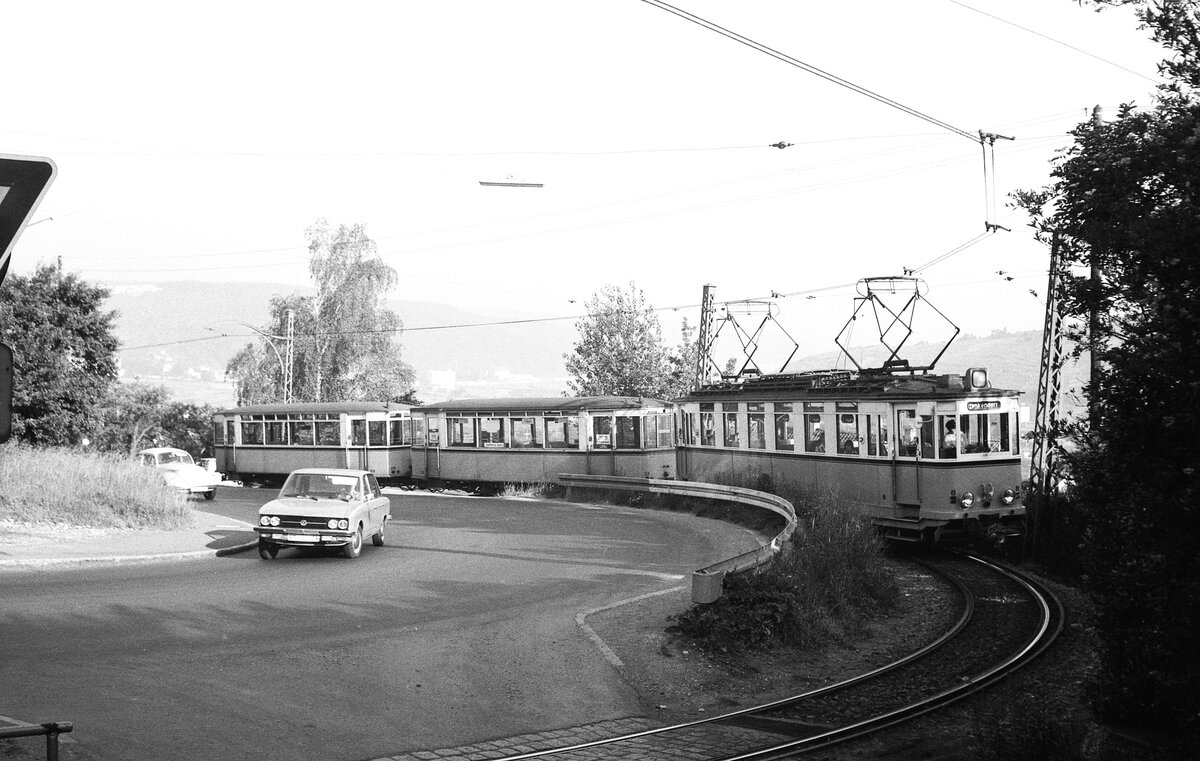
[[914, 443]]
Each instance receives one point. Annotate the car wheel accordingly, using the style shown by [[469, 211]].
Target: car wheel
[[354, 548], [267, 551], [210, 494], [377, 537]]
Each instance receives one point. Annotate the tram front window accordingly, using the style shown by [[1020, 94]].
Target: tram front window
[[908, 433]]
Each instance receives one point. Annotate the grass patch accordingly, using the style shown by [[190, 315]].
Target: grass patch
[[66, 486], [825, 588]]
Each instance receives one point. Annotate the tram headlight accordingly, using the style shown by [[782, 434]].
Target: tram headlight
[[967, 499], [1008, 496]]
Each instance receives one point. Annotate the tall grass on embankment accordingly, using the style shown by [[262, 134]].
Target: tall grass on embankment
[[75, 488], [825, 588]]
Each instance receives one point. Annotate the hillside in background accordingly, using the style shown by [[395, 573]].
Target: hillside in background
[[171, 333]]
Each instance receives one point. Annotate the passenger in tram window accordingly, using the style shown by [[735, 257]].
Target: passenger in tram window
[[950, 440], [816, 434]]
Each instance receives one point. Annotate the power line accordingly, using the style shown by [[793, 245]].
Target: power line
[[1056, 41], [811, 69]]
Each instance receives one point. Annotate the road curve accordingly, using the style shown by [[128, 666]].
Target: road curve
[[462, 627]]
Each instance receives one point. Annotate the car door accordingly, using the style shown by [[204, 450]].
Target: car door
[[377, 504]]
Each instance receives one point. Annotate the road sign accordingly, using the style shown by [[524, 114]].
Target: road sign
[[6, 388], [23, 182]]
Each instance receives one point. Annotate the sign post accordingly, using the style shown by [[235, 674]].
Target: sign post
[[6, 392]]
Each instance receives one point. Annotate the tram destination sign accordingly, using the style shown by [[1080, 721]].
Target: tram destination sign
[[975, 406], [23, 182]]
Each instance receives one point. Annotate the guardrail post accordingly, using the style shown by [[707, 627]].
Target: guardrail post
[[706, 586]]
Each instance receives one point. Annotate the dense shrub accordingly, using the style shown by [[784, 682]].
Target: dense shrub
[[824, 587], [76, 488]]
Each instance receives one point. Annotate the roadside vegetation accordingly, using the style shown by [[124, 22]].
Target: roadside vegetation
[[55, 486], [827, 584]]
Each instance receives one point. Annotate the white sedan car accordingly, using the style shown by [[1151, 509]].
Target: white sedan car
[[180, 471], [324, 507]]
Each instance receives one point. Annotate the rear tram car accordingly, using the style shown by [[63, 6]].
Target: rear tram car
[[927, 457], [266, 442], [532, 440]]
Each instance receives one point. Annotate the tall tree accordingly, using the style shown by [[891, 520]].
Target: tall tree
[[130, 417], [1125, 198], [620, 349], [345, 338], [64, 353]]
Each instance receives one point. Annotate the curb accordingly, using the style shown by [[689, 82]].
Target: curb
[[127, 559]]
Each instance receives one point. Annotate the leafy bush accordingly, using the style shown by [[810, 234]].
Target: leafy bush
[[824, 588], [86, 489]]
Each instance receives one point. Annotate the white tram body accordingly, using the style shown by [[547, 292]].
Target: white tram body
[[927, 457], [533, 440], [269, 441]]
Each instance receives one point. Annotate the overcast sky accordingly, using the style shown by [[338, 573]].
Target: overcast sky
[[198, 141]]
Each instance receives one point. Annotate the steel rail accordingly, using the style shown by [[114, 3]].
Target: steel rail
[[1050, 626], [51, 730], [965, 618]]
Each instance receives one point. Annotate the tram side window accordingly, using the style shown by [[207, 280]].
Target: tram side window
[[562, 433], [927, 437], [491, 432], [230, 432], [883, 435], [629, 432], [732, 435], [376, 433], [461, 431], [908, 431], [708, 430], [276, 432], [525, 432], [329, 433], [756, 434], [252, 433], [848, 442], [666, 430], [418, 432], [358, 433], [950, 442], [869, 435], [218, 430], [301, 433], [400, 432], [785, 429], [814, 434], [602, 430]]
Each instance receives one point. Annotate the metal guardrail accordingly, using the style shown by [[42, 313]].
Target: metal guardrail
[[50, 729], [707, 581]]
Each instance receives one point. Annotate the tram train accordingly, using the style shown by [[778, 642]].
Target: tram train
[[927, 457]]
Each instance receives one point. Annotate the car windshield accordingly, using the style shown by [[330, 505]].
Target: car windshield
[[168, 458], [318, 486]]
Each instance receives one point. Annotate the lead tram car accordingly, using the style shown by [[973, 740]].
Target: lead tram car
[[927, 457]]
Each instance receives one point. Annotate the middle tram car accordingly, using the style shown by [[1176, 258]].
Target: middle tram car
[[532, 440], [926, 457]]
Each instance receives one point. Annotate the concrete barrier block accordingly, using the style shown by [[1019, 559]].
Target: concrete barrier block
[[706, 586]]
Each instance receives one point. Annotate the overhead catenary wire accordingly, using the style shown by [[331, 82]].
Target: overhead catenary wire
[[811, 69]]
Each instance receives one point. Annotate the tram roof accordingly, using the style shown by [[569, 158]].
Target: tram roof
[[317, 408], [543, 404], [845, 383]]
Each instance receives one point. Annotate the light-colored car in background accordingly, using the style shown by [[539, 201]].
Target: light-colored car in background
[[324, 507], [180, 471]]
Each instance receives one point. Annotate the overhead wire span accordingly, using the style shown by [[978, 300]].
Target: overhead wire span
[[810, 68]]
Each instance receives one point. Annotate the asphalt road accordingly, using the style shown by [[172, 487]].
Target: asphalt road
[[461, 629]]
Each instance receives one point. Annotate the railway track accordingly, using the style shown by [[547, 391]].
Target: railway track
[[1006, 621]]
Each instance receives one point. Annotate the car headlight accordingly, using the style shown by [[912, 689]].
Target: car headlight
[[1008, 496], [343, 524], [333, 523], [967, 499], [274, 520], [264, 521]]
